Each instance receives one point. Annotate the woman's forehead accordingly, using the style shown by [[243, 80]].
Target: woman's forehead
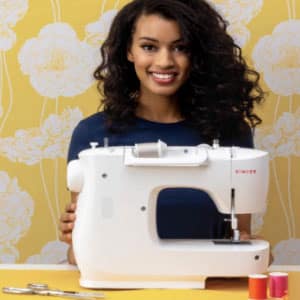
[[157, 27]]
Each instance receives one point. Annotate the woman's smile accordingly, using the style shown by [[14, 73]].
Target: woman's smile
[[163, 78]]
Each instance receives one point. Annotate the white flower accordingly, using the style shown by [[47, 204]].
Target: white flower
[[11, 11], [97, 32], [238, 13], [287, 252], [16, 208], [30, 146], [25, 146], [57, 62], [266, 139], [283, 138], [58, 129], [277, 56], [53, 252], [8, 253]]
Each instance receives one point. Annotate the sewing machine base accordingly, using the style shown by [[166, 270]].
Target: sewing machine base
[[177, 283], [178, 265]]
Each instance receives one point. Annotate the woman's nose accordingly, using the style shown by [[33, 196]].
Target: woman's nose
[[164, 58]]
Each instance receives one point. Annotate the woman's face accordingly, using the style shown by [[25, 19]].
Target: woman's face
[[160, 57]]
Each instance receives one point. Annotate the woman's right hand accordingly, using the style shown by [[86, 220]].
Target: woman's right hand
[[66, 225]]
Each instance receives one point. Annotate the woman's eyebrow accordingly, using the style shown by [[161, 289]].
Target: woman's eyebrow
[[157, 41]]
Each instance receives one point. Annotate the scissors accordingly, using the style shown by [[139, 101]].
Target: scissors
[[44, 290]]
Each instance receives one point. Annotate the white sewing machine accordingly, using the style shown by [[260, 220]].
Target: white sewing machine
[[115, 239]]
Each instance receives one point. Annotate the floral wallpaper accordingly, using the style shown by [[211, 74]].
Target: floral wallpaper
[[48, 52]]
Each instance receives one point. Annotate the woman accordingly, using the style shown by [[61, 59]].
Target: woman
[[171, 72]]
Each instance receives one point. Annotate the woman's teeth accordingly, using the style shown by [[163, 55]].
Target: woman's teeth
[[163, 76]]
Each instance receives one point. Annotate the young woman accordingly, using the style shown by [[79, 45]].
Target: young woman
[[171, 72]]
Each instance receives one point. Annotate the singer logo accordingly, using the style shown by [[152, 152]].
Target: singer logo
[[245, 171]]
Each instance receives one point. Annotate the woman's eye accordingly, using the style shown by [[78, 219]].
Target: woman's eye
[[180, 48], [148, 47]]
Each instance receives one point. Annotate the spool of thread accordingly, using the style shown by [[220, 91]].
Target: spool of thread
[[150, 149], [257, 286], [278, 285]]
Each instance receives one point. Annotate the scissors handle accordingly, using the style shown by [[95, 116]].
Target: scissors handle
[[34, 290], [16, 290]]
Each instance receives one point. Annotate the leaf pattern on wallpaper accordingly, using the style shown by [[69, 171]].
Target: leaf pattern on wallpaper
[[57, 62], [16, 207], [51, 140], [238, 13]]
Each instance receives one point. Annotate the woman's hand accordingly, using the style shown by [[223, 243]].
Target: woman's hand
[[66, 225]]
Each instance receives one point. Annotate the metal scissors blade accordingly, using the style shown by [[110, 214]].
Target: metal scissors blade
[[43, 290]]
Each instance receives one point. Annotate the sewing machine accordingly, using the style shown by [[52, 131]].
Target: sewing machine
[[115, 239]]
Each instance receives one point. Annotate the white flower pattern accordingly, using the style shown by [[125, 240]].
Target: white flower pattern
[[58, 63], [50, 141], [238, 13], [97, 32], [277, 56], [287, 252], [54, 252], [11, 11], [16, 207], [282, 139]]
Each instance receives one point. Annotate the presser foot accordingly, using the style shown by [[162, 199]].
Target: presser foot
[[231, 242]]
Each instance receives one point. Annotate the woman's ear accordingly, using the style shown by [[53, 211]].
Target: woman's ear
[[129, 55]]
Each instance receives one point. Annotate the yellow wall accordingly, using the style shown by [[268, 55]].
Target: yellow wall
[[48, 48]]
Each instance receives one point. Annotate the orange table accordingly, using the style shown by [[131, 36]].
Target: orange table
[[66, 277]]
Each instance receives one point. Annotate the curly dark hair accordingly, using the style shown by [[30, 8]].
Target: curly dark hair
[[219, 96]]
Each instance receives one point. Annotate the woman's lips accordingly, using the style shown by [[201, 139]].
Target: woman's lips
[[163, 77]]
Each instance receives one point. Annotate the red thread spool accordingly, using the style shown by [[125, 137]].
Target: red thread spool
[[257, 286], [278, 284]]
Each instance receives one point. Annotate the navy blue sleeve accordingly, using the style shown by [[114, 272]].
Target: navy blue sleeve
[[80, 140]]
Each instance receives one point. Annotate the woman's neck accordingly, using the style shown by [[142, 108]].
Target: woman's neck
[[159, 109]]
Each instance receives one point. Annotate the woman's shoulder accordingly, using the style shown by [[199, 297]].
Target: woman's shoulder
[[89, 127], [88, 130], [96, 119]]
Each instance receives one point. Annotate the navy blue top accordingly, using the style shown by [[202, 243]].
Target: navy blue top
[[181, 212]]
